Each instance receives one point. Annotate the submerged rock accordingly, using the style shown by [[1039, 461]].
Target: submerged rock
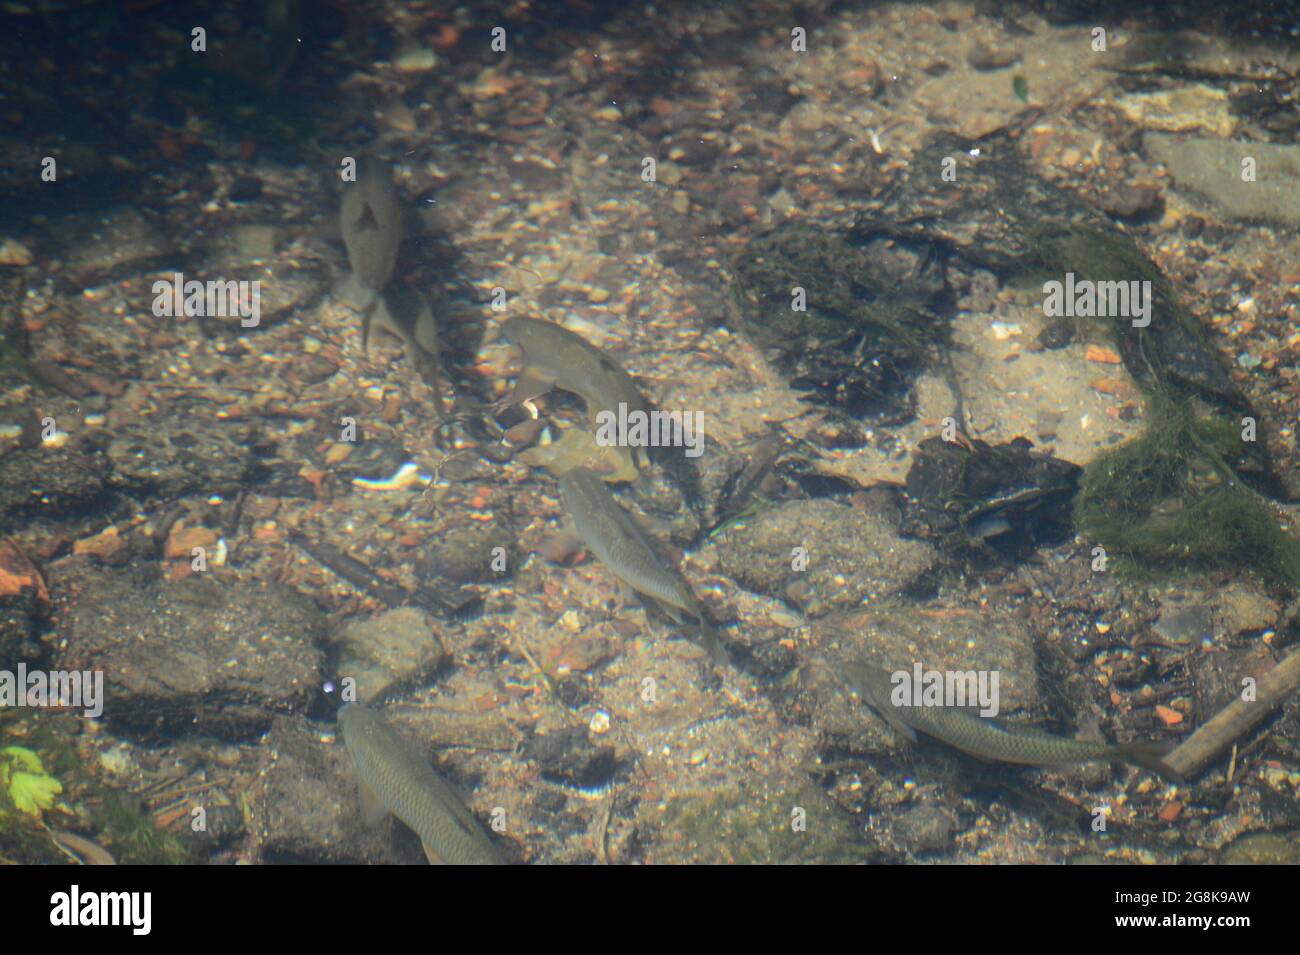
[[1007, 495], [304, 804], [48, 482], [766, 822], [1213, 170], [392, 650], [851, 555], [925, 829], [201, 655], [473, 553], [1262, 848], [569, 756], [173, 456], [98, 247]]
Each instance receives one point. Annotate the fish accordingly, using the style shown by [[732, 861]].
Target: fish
[[393, 777], [621, 545], [370, 218], [982, 737], [555, 357], [404, 313]]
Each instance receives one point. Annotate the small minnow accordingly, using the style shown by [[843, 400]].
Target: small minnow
[[616, 540], [392, 777], [980, 736]]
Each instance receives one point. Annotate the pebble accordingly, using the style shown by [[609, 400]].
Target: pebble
[[785, 619], [413, 58], [15, 254], [670, 174]]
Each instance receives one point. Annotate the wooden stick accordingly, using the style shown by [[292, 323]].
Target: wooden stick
[[1235, 719]]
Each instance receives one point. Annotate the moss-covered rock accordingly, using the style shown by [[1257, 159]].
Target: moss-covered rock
[[1174, 499]]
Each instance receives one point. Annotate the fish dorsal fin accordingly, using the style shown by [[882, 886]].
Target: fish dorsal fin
[[372, 810], [367, 218]]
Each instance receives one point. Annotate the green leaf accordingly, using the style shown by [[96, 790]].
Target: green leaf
[[33, 792]]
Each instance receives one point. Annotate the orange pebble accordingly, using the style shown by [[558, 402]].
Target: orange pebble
[[1099, 353], [1170, 717]]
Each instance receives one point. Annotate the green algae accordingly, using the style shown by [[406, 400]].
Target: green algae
[[838, 277], [1173, 499], [131, 835], [1178, 496], [1170, 354]]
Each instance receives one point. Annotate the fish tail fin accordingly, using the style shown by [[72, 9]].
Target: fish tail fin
[[1151, 757]]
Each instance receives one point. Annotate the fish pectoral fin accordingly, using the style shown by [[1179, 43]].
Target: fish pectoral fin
[[562, 547], [711, 640], [378, 319], [897, 725], [532, 383], [433, 857], [372, 810]]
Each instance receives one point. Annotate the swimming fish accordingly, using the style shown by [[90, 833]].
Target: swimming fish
[[555, 357], [370, 218], [616, 540], [979, 736], [393, 777]]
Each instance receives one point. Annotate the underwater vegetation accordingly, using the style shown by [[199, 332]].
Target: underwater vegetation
[[46, 786], [24, 783], [1172, 498], [1181, 494], [1190, 490], [865, 326]]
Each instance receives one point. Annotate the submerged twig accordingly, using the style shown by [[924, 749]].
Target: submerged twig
[[1235, 719]]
